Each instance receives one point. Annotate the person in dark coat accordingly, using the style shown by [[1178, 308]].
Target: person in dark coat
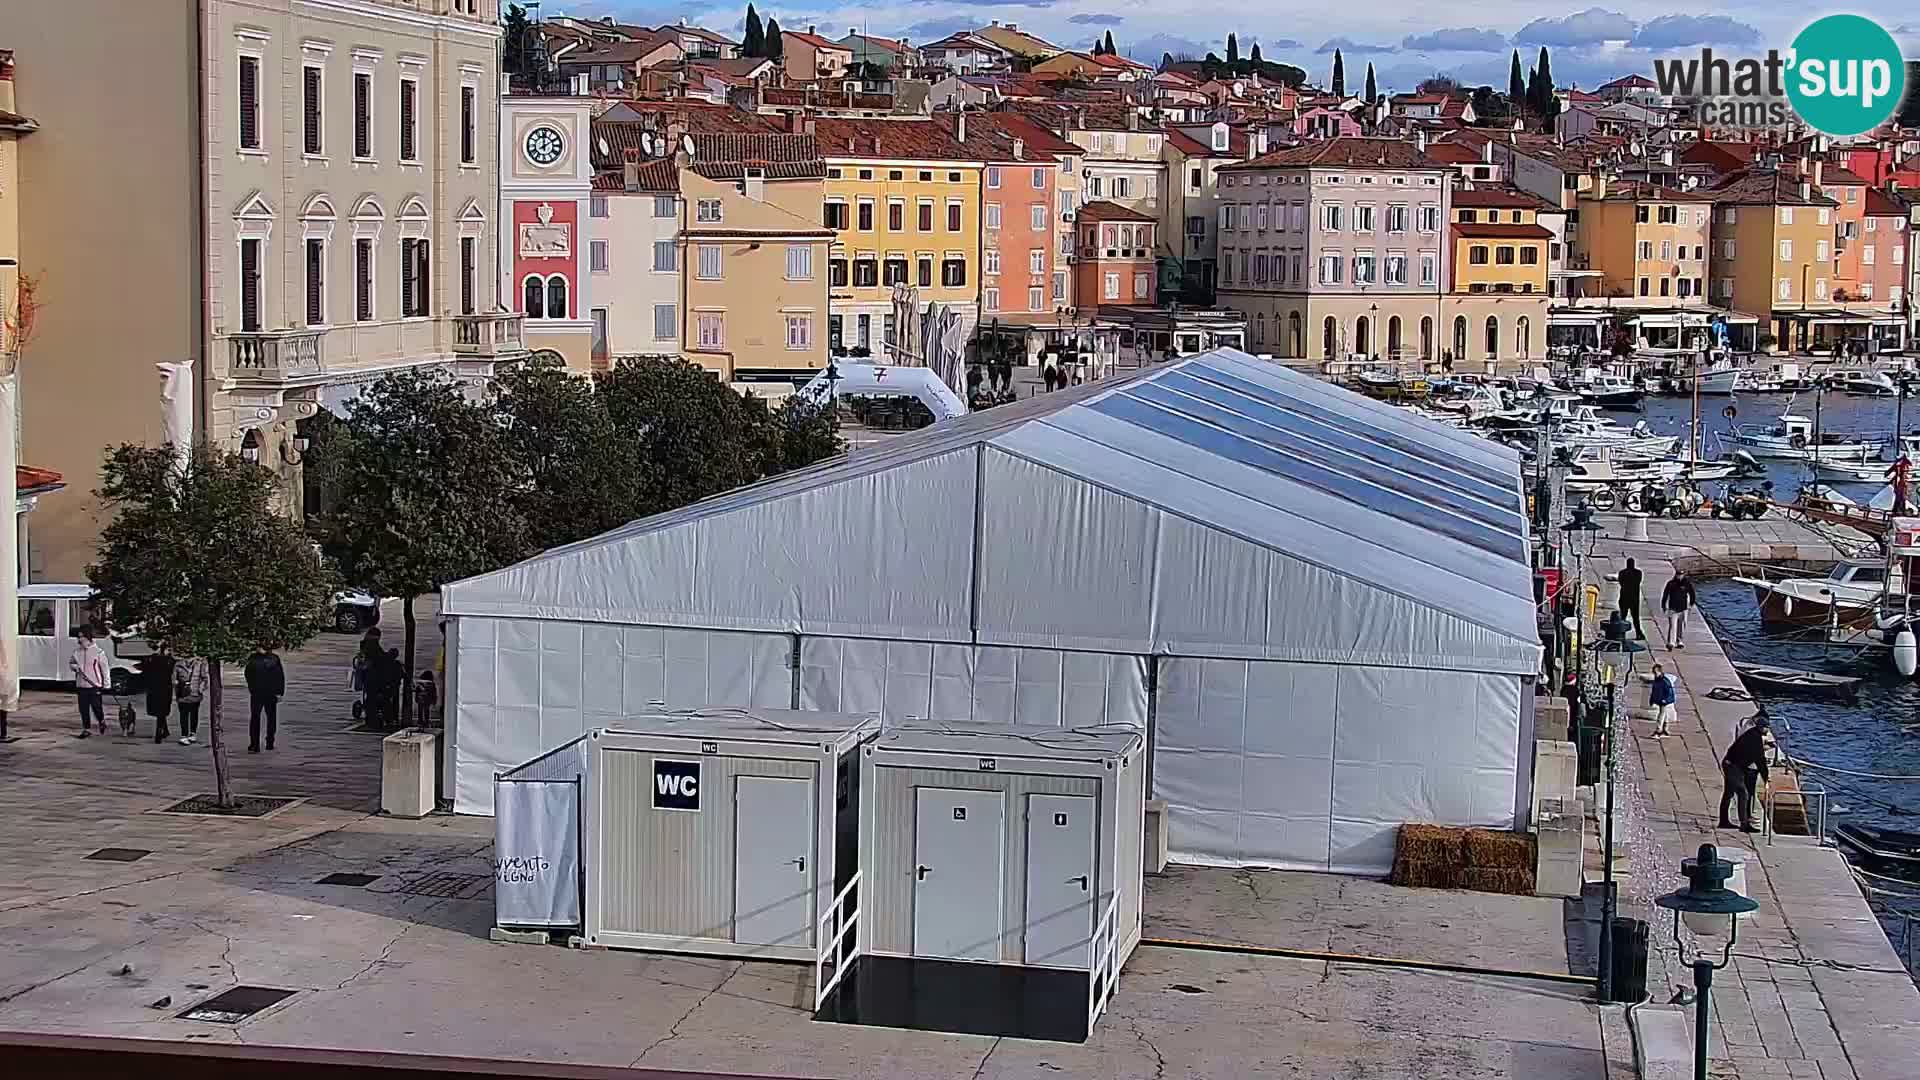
[[1675, 599], [1630, 579], [157, 669], [387, 680], [266, 685], [1746, 759]]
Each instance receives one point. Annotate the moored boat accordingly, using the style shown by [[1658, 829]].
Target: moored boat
[[1847, 596], [1797, 681]]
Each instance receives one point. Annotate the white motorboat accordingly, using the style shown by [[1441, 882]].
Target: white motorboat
[[1720, 380], [1847, 596], [1872, 472], [1793, 437], [1608, 391], [1598, 466], [1863, 383]]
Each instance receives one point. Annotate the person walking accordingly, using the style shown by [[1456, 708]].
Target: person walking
[[1675, 599], [266, 685], [91, 678], [388, 681], [1662, 698], [1745, 759], [364, 661], [1630, 579], [157, 668], [189, 690]]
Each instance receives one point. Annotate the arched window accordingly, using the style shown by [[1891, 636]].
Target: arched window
[[1522, 337], [1296, 335], [1330, 339], [1260, 328], [556, 297], [1393, 337], [1426, 338], [1459, 337], [1363, 336], [1493, 337], [536, 298]]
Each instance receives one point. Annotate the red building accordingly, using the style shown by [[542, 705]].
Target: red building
[[1113, 255]]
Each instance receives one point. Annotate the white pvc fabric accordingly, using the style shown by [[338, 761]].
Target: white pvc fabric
[[1020, 564]]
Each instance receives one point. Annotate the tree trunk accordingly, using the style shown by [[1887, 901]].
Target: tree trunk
[[406, 688], [223, 788]]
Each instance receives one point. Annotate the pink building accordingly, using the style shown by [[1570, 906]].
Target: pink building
[[1321, 122], [1883, 250], [1115, 266]]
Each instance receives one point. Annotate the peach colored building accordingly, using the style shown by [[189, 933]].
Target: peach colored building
[[1115, 265], [1885, 243], [1849, 194], [809, 58], [1017, 214]]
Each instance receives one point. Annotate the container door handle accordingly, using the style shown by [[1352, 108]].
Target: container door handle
[[920, 872], [1082, 879], [800, 862]]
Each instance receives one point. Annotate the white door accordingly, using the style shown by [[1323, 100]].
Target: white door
[[773, 871], [1060, 879], [958, 842], [41, 652]]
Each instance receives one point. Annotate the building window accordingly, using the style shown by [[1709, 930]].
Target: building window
[[1477, 255], [597, 256], [1665, 286], [363, 279], [799, 332], [993, 215], [953, 216], [799, 262], [866, 215], [1039, 179], [1396, 268], [468, 114], [1059, 285], [1468, 217], [249, 103], [707, 211], [836, 273], [833, 215], [993, 176], [1111, 283], [666, 324], [926, 216], [250, 291], [896, 214], [1529, 256], [953, 272], [989, 261], [1037, 261], [1139, 286], [468, 246], [894, 270], [310, 98], [1036, 298], [1429, 219], [597, 206], [1646, 250], [409, 133], [1123, 187], [1396, 219], [990, 298], [316, 281], [664, 206], [1646, 287], [414, 290], [710, 262], [713, 330], [362, 114], [665, 256], [1330, 268], [1363, 218], [1037, 216], [1428, 267], [1330, 217], [923, 271], [1786, 251], [1503, 255], [866, 272], [1363, 268]]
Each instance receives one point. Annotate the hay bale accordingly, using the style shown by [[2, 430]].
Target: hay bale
[[1429, 843], [1504, 882], [1497, 849], [1424, 873]]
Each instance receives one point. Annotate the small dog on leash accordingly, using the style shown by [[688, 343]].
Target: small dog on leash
[[128, 718]]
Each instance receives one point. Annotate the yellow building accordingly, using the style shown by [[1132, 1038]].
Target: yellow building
[[1496, 301], [754, 265], [1771, 252], [904, 203], [1649, 243]]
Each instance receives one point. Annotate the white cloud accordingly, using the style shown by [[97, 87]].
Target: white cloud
[[1590, 27]]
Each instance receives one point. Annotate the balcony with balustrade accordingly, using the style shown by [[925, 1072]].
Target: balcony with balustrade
[[275, 356], [494, 335]]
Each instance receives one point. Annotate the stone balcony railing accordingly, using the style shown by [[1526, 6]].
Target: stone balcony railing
[[275, 355], [499, 333]]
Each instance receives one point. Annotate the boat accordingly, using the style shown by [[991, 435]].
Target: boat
[[1847, 596], [1876, 845], [1609, 391], [1785, 378], [1793, 436], [1863, 383], [1720, 381], [1390, 386], [1873, 472], [1798, 681]]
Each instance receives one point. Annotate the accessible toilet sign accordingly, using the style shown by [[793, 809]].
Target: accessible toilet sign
[[676, 785]]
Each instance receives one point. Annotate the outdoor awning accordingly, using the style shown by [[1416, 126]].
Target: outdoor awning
[[1577, 318]]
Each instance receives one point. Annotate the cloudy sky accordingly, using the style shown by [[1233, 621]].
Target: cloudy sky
[[1399, 37]]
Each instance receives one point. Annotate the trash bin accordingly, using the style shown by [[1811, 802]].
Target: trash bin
[[408, 772], [1629, 959]]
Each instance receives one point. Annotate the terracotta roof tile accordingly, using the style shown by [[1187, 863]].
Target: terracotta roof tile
[[1761, 187], [915, 140], [1499, 197], [1883, 204], [814, 40], [1103, 210], [1343, 153], [28, 480], [1635, 191], [1453, 153], [1486, 231]]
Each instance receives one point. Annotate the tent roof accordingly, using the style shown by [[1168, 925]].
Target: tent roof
[[1097, 518]]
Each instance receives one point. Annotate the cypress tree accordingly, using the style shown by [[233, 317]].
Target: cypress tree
[[1233, 49], [1373, 89], [1339, 75], [1516, 85], [756, 37], [1108, 43], [775, 48], [1255, 55]]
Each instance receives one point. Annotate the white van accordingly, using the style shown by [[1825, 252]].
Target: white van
[[49, 616]]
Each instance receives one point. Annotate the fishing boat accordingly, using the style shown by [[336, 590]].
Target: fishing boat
[[1878, 846], [1794, 680], [1863, 383], [1872, 472], [1720, 380], [1609, 391], [1847, 596], [1794, 436]]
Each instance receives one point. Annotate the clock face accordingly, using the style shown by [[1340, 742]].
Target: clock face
[[544, 145]]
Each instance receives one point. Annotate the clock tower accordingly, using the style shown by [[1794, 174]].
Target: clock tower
[[546, 177]]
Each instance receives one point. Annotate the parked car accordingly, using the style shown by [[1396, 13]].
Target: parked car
[[50, 616], [354, 611]]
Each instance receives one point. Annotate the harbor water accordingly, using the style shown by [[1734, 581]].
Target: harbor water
[[1837, 413]]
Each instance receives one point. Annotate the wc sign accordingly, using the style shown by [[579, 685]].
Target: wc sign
[[676, 785]]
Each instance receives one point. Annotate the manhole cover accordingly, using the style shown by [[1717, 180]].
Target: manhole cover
[[243, 805], [357, 881], [236, 1004], [120, 854], [455, 886]]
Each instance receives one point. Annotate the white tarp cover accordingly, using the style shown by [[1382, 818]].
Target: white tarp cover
[[536, 851], [1041, 688]]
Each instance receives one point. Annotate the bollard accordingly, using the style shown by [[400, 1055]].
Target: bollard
[[1637, 526]]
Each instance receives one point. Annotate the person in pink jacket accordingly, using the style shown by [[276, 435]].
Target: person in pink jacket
[[91, 678]]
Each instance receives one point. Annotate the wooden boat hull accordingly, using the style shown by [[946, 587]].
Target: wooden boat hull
[[1889, 847], [1778, 609]]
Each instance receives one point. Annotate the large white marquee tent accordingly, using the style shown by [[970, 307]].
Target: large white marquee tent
[[1319, 607]]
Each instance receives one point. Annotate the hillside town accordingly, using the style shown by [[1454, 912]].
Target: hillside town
[[741, 547]]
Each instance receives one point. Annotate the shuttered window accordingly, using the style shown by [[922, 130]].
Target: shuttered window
[[250, 286], [467, 109], [467, 245], [316, 282], [250, 102], [363, 279], [310, 109], [413, 277], [362, 114], [409, 150]]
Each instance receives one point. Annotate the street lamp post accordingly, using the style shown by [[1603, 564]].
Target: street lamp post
[[1616, 645], [1706, 893]]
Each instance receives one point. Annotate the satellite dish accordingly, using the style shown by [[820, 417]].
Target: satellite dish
[[686, 143], [646, 142], [605, 150]]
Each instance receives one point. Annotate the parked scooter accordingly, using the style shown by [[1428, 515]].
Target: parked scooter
[[1749, 503]]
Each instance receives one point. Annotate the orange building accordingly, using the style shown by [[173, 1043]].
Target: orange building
[[1114, 266], [1848, 190], [1016, 212]]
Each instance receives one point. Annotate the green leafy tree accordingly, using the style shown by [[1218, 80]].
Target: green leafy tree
[[1373, 88], [1339, 75], [776, 49], [696, 436], [430, 494], [1233, 49], [1516, 83], [1107, 44], [1255, 56], [196, 559], [755, 41], [803, 433], [583, 474], [513, 47]]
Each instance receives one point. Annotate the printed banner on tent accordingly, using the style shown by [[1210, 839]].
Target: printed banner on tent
[[536, 853]]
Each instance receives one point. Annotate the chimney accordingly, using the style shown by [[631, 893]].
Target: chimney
[[996, 22], [1819, 170], [794, 120], [1013, 26], [1133, 120], [1019, 149], [1080, 118], [630, 171], [1420, 139], [852, 30], [960, 126], [1806, 188], [875, 140], [809, 28]]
